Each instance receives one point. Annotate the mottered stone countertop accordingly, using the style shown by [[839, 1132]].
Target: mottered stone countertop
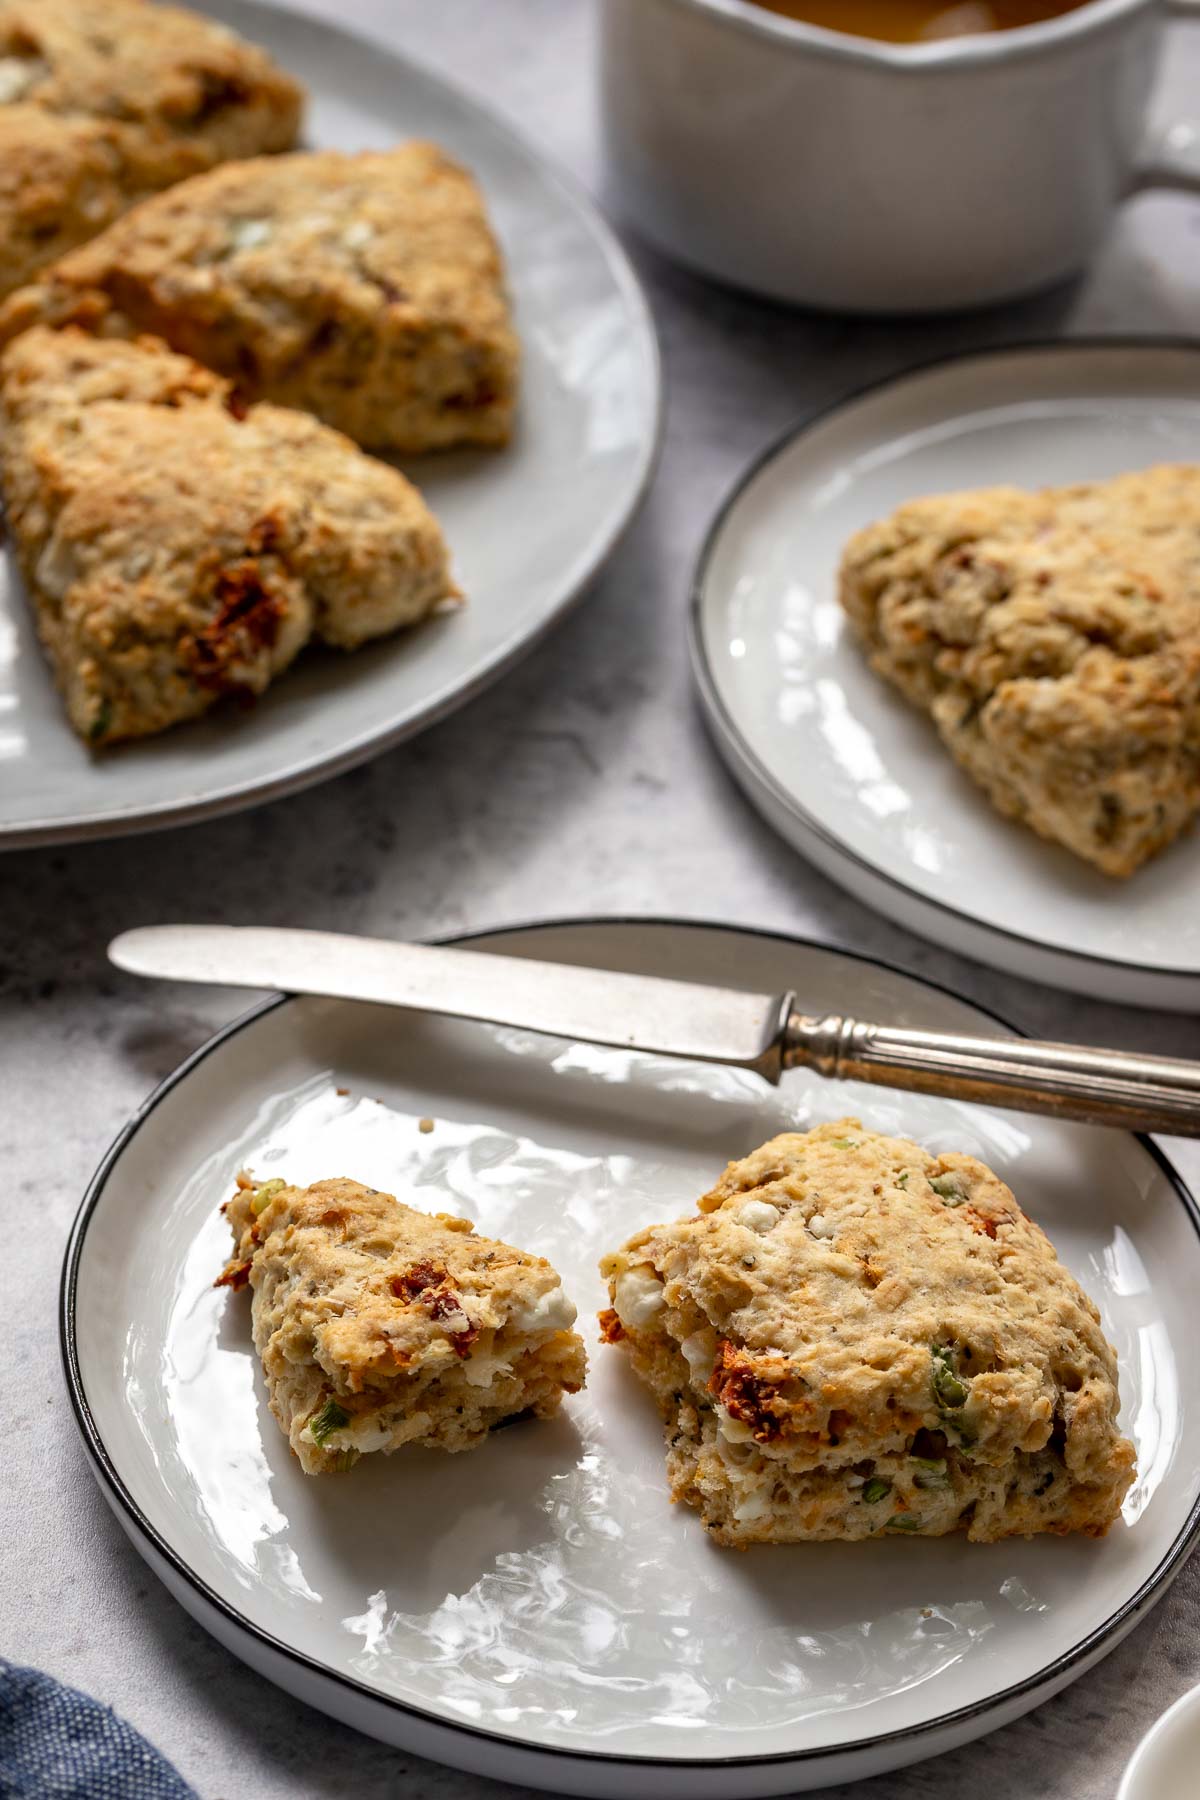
[[584, 783]]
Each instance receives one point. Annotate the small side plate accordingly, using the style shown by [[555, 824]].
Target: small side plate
[[537, 1610], [837, 761]]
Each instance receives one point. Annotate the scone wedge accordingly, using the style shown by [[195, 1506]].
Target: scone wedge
[[854, 1338], [1054, 640], [379, 1325], [179, 546], [366, 289], [103, 102]]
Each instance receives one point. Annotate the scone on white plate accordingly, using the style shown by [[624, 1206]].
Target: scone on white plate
[[855, 1338], [379, 1325], [1054, 640], [180, 547], [103, 102], [366, 289]]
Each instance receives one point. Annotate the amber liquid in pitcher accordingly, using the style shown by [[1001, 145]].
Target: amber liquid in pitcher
[[918, 21]]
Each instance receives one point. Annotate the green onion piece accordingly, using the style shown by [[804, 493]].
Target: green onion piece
[[950, 1188], [262, 1196], [845, 1143], [931, 1472], [948, 1389], [323, 1424], [875, 1489], [902, 1522], [343, 1460], [902, 1178], [101, 722]]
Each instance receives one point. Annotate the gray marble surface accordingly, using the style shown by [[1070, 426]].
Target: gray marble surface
[[584, 783]]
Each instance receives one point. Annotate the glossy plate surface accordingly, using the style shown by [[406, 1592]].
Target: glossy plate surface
[[539, 1601], [838, 761], [527, 526]]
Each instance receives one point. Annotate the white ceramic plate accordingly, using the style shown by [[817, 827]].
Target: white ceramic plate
[[527, 526], [537, 1610], [838, 762], [1163, 1767]]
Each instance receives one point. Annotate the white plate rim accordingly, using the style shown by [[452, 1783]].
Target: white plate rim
[[746, 762], [139, 1527], [780, 30], [1135, 1768], [319, 767]]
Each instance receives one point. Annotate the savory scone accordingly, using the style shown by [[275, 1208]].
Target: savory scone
[[103, 102], [178, 545], [379, 1325], [60, 183], [857, 1337], [366, 289], [1054, 639]]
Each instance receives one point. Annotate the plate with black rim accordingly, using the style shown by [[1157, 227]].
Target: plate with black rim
[[838, 762], [528, 526], [538, 1610]]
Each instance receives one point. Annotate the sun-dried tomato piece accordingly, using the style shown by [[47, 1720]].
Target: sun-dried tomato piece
[[248, 620], [427, 1284], [414, 1281], [234, 1275], [744, 1394]]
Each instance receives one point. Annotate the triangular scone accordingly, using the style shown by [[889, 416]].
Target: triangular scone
[[366, 289], [856, 1338], [103, 102], [1054, 640], [379, 1325], [179, 546]]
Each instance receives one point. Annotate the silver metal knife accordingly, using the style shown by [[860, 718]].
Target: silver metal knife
[[763, 1032]]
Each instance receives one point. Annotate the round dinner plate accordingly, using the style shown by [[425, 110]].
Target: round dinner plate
[[1163, 1767], [839, 763], [527, 526], [537, 1610]]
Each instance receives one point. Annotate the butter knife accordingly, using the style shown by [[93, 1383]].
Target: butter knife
[[762, 1032]]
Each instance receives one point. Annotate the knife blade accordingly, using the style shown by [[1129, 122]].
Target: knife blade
[[593, 1006], [650, 1013]]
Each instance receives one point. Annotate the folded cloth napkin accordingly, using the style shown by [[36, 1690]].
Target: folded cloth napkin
[[57, 1744]]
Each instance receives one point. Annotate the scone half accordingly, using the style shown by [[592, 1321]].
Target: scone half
[[379, 1325], [856, 1338], [366, 289]]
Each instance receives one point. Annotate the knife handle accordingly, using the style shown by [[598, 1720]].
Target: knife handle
[[1101, 1087]]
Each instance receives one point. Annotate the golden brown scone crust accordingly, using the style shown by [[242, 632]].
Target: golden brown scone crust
[[366, 289], [379, 1325], [856, 1336], [179, 546], [1054, 639], [105, 101], [60, 182]]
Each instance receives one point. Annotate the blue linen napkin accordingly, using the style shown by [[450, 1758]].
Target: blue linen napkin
[[58, 1744]]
